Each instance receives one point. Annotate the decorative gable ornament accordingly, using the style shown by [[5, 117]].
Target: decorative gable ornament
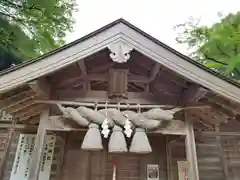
[[120, 51]]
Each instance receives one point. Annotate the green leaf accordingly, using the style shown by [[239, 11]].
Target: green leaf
[[219, 44], [232, 63], [213, 65], [32, 27]]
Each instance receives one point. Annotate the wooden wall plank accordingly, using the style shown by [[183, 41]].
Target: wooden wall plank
[[221, 154], [79, 164]]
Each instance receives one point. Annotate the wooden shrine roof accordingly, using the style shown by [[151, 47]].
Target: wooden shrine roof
[[87, 80]]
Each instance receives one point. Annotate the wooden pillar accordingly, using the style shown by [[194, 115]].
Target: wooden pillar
[[168, 159], [191, 151], [38, 148]]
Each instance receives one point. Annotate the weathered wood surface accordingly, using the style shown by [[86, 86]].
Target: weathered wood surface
[[84, 165], [209, 160], [10, 156], [57, 157], [87, 81], [191, 154]]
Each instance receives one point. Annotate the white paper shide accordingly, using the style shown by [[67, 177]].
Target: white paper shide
[[21, 164]]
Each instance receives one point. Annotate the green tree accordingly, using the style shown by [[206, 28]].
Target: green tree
[[29, 28], [217, 46]]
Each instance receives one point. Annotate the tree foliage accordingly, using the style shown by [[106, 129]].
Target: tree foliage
[[217, 47], [29, 28]]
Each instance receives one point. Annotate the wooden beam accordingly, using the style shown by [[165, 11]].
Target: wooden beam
[[168, 159], [191, 149], [17, 126], [103, 96], [160, 131], [82, 67], [116, 105], [38, 147], [41, 87], [193, 94], [131, 78], [154, 72], [214, 133]]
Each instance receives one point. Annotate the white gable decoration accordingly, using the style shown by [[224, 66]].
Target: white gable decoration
[[20, 168]]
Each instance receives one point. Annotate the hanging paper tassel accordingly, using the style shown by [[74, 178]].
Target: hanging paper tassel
[[105, 126], [140, 142], [127, 126], [105, 130], [117, 142], [92, 140]]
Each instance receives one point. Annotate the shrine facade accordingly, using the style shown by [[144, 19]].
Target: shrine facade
[[118, 104]]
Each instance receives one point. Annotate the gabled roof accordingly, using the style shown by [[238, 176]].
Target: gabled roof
[[119, 30]]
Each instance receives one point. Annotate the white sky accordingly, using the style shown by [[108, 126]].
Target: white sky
[[155, 17]]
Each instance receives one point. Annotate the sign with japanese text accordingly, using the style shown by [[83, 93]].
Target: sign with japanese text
[[152, 172], [20, 168], [183, 170]]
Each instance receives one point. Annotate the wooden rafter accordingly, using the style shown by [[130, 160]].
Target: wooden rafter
[[231, 112], [131, 78], [102, 96]]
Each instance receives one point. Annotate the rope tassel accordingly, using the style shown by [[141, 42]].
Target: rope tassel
[[117, 142], [140, 142], [92, 140]]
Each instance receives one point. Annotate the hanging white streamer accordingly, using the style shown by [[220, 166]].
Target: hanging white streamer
[[105, 130], [127, 126], [105, 126]]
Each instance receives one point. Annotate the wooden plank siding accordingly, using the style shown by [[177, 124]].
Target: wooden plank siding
[[209, 162], [84, 165], [70, 162], [231, 154]]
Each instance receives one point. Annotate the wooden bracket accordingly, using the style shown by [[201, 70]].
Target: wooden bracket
[[41, 87], [193, 94]]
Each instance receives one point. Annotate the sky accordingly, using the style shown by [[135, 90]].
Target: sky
[[155, 17]]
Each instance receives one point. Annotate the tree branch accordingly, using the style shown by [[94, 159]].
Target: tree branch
[[6, 2], [225, 64], [221, 51], [209, 58]]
